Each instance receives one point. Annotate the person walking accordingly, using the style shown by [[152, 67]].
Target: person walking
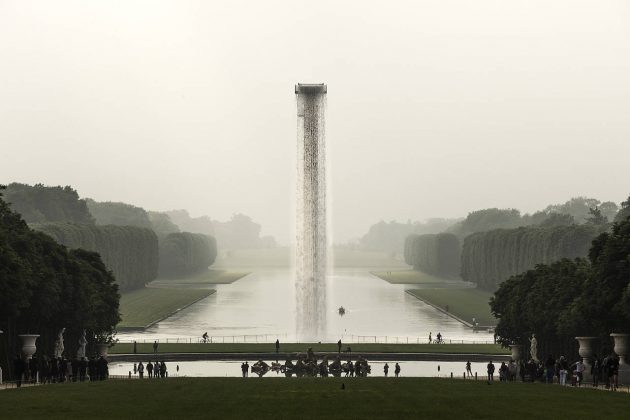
[[386, 369], [277, 346], [490, 371], [564, 370], [468, 369], [595, 371], [397, 370], [18, 369], [550, 368]]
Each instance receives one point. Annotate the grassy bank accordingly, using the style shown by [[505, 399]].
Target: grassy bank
[[123, 348], [463, 303], [310, 398], [411, 277], [205, 277], [143, 307]]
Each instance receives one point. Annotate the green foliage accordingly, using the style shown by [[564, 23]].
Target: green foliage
[[579, 208], [121, 214], [584, 297], [39, 204], [596, 217], [161, 223], [535, 301], [130, 252], [434, 254], [184, 253], [557, 219], [44, 287], [487, 219], [624, 212], [488, 258], [389, 237]]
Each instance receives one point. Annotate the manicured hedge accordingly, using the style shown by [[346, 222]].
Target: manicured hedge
[[437, 254], [130, 252], [184, 253], [489, 258]]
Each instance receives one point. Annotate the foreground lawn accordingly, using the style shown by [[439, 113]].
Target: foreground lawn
[[463, 303], [205, 277], [142, 307], [412, 277], [310, 398], [124, 348]]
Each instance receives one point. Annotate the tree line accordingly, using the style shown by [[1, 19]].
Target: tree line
[[568, 298], [488, 258], [45, 287], [186, 253], [437, 254], [130, 252]]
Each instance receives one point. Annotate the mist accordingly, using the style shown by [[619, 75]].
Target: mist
[[435, 108]]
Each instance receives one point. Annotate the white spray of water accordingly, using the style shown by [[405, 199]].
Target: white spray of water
[[311, 246]]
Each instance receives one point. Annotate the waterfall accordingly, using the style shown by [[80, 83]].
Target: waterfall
[[311, 256]]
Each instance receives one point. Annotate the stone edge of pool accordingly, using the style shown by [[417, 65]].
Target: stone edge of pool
[[437, 357]]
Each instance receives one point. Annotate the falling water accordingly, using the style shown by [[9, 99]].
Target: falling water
[[311, 258]]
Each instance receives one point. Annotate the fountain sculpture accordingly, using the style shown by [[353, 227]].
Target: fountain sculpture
[[311, 255]]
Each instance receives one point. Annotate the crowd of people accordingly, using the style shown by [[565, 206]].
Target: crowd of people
[[60, 369], [603, 371], [154, 370]]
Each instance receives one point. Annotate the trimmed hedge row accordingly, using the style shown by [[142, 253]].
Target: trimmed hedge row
[[184, 253], [489, 258], [130, 252], [437, 254]]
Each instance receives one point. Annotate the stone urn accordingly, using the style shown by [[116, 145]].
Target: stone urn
[[622, 348], [517, 352], [28, 345], [102, 349], [586, 353]]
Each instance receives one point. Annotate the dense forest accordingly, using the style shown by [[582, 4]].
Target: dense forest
[[44, 287], [490, 257], [437, 254], [130, 252], [186, 253], [569, 298], [121, 214], [390, 236]]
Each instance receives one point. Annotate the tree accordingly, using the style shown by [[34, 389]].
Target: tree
[[596, 217]]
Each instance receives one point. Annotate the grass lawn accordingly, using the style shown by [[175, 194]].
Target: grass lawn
[[310, 398], [301, 347], [142, 307], [463, 303], [411, 277], [206, 277]]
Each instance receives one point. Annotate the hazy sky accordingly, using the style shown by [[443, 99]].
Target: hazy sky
[[435, 108]]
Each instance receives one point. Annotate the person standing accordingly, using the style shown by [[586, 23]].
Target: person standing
[[429, 338], [490, 371], [339, 346], [397, 370], [386, 369], [595, 370], [155, 346], [141, 370], [563, 370], [550, 368], [150, 369], [579, 372], [135, 347], [468, 369], [277, 346], [18, 369]]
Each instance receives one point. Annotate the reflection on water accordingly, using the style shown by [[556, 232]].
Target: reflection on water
[[263, 303], [233, 369]]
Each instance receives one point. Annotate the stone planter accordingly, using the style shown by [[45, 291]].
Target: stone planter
[[586, 353], [622, 348], [28, 345], [517, 352], [102, 349]]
